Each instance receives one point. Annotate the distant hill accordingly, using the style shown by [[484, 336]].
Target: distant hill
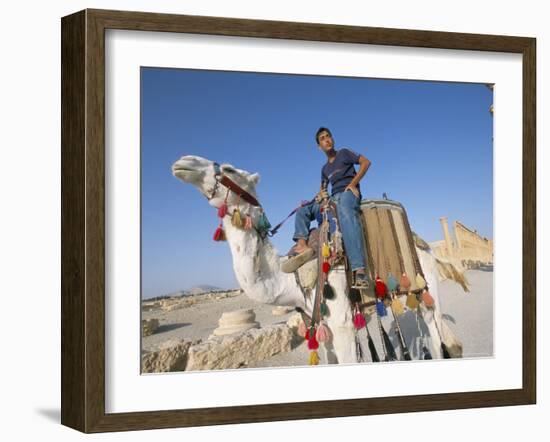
[[202, 288], [196, 290]]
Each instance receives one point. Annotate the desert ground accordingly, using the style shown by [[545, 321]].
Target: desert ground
[[195, 317]]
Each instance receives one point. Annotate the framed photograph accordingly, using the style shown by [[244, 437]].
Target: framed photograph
[[267, 221]]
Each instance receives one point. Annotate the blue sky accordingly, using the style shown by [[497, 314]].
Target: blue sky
[[430, 144]]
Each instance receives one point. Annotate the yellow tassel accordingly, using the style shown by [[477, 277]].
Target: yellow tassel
[[236, 219], [412, 302], [326, 250], [420, 282], [397, 306], [313, 358]]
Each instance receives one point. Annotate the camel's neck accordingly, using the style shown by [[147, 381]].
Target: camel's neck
[[257, 268]]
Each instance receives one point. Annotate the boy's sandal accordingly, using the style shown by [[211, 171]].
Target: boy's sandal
[[361, 281]]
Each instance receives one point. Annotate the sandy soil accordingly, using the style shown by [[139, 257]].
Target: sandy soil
[[469, 315]]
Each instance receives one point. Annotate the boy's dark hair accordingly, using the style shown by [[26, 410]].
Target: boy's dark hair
[[321, 129]]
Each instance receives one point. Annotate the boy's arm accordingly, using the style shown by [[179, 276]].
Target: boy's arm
[[364, 164]]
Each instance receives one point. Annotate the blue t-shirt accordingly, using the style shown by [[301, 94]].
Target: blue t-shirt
[[341, 171]]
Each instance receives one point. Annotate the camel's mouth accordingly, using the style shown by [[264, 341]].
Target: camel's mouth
[[179, 168], [185, 171]]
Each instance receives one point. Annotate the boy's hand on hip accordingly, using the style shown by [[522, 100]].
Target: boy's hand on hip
[[353, 189]]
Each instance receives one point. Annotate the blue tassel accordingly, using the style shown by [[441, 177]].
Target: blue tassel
[[381, 309], [392, 283]]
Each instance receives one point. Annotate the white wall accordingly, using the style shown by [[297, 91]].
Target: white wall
[[30, 223]]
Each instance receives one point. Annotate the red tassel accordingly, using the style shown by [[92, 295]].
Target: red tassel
[[380, 287], [326, 267], [359, 321], [306, 336], [222, 211], [219, 234], [427, 298], [312, 343]]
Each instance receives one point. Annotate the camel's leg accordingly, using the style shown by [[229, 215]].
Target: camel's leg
[[330, 353], [429, 266], [344, 344], [433, 338], [340, 321]]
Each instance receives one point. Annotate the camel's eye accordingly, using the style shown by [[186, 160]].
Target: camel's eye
[[228, 169]]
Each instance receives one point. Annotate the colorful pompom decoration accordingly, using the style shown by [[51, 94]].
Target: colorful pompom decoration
[[222, 211], [236, 220], [323, 333], [412, 301], [420, 281], [328, 293], [313, 358], [404, 282], [312, 343], [380, 287], [219, 234], [248, 222], [263, 224], [325, 251], [326, 267], [324, 309], [381, 309], [392, 283], [359, 321], [427, 298], [398, 308]]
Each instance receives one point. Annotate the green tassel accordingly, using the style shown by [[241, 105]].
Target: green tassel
[[328, 293], [263, 224], [324, 309]]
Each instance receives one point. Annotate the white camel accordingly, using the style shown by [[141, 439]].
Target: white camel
[[257, 267]]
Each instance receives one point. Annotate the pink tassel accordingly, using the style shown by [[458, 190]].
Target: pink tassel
[[248, 223], [427, 298], [302, 329], [323, 333], [359, 321], [404, 283], [222, 211], [312, 343]]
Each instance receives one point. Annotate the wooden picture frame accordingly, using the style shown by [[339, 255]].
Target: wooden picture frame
[[83, 220]]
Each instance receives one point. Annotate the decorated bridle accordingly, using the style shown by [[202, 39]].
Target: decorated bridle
[[262, 224]]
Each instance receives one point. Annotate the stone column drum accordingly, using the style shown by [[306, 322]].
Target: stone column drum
[[235, 322]]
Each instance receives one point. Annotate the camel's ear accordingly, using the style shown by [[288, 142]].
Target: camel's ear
[[255, 178]]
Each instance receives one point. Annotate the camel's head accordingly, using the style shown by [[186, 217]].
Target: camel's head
[[202, 174]]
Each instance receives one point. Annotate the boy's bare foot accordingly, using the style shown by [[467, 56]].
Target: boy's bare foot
[[295, 262], [301, 246], [300, 249]]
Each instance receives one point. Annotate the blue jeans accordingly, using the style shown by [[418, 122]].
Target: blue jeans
[[347, 205]]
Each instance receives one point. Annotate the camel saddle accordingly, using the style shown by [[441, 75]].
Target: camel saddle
[[388, 242]]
